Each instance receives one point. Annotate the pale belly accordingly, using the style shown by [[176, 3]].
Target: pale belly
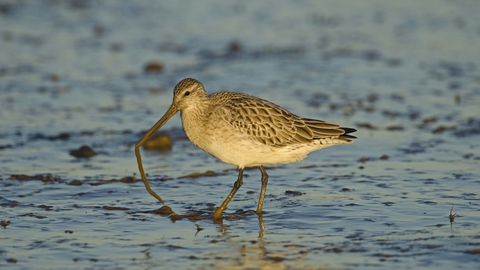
[[221, 140], [242, 151]]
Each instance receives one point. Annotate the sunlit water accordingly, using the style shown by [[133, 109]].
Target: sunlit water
[[405, 74]]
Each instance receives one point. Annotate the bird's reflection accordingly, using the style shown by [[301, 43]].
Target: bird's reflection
[[254, 253], [166, 211]]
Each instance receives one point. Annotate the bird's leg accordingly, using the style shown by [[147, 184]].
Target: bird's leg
[[264, 189], [218, 213]]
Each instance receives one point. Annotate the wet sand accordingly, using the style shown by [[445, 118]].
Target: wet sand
[[82, 81]]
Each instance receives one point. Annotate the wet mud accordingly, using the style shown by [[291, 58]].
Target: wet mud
[[82, 81]]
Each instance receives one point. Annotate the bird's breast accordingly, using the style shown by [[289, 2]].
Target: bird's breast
[[216, 136]]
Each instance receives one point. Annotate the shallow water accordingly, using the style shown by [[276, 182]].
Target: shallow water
[[404, 74]]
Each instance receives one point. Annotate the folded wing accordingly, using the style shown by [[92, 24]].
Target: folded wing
[[270, 124]]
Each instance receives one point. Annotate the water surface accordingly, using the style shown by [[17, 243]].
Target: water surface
[[405, 74]]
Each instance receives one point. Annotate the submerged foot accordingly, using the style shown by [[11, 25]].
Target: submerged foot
[[218, 214]]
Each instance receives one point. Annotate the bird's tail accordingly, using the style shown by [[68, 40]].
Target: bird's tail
[[346, 136]]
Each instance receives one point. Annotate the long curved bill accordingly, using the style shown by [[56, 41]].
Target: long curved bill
[[170, 112]]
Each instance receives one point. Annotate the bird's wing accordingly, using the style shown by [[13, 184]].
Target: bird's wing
[[271, 124]]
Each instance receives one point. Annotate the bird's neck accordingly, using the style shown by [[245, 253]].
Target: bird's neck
[[194, 124], [193, 117]]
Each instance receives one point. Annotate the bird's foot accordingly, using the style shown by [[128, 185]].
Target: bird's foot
[[218, 214]]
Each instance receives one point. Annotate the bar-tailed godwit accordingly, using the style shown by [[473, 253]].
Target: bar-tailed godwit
[[245, 131]]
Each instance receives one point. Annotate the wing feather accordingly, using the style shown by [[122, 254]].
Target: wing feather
[[271, 124]]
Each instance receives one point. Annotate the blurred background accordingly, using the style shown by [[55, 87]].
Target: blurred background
[[99, 74]]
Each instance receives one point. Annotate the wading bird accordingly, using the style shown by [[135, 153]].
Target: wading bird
[[245, 131]]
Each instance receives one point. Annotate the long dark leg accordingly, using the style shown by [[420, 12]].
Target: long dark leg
[[264, 189], [218, 213]]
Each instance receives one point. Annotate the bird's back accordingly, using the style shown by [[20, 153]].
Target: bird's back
[[269, 123]]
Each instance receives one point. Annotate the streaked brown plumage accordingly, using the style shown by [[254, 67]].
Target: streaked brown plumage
[[245, 131]]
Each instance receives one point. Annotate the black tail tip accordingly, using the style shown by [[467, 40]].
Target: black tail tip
[[347, 133]]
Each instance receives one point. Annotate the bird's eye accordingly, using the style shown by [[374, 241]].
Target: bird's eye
[[187, 93]]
